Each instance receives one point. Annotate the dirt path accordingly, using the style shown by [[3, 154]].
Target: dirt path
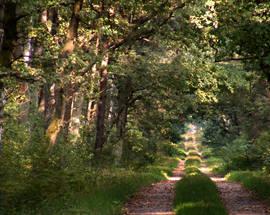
[[156, 199], [237, 199]]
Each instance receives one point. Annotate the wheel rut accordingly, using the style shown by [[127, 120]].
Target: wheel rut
[[237, 199], [156, 199]]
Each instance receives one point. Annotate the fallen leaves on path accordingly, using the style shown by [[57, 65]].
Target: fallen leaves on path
[[240, 201]]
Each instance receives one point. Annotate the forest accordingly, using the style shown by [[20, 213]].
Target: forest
[[105, 104]]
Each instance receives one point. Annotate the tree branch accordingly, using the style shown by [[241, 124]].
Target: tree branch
[[137, 34], [19, 77], [236, 59]]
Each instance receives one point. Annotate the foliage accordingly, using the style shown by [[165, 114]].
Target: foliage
[[60, 181], [257, 182], [169, 62]]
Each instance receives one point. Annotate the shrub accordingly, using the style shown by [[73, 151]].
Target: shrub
[[262, 146]]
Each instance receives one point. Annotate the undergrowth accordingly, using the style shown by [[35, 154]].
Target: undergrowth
[[257, 182], [103, 192]]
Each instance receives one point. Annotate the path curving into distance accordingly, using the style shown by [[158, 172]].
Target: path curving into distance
[[156, 199]]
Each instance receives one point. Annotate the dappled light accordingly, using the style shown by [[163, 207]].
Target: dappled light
[[123, 107]]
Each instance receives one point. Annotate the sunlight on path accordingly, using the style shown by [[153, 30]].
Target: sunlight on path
[[156, 199], [237, 199], [155, 213], [174, 178]]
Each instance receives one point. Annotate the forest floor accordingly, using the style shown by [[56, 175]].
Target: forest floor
[[237, 199], [156, 199]]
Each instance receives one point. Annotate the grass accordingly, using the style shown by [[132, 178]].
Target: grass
[[197, 194], [255, 181], [107, 195], [193, 153], [194, 160]]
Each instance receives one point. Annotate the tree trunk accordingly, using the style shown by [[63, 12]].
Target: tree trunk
[[75, 123], [41, 101], [49, 88], [49, 103], [68, 49], [56, 122], [91, 111], [69, 91], [8, 33], [101, 106], [2, 31], [73, 27], [63, 112], [124, 94], [9, 24], [2, 103], [2, 95]]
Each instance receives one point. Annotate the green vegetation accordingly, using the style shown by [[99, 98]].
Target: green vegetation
[[257, 182], [102, 195], [196, 193], [89, 86], [193, 162]]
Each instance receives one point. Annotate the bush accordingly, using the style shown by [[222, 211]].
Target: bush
[[262, 150], [170, 149], [241, 155]]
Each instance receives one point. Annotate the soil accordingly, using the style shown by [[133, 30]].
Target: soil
[[156, 199], [237, 199]]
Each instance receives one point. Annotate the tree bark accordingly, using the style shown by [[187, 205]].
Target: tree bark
[[101, 106], [69, 91], [124, 95], [49, 103], [75, 123], [2, 95], [62, 117], [91, 111], [73, 27], [2, 31], [2, 103], [68, 49], [8, 33]]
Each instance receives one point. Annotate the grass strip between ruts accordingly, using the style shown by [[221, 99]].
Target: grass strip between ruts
[[196, 193]]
